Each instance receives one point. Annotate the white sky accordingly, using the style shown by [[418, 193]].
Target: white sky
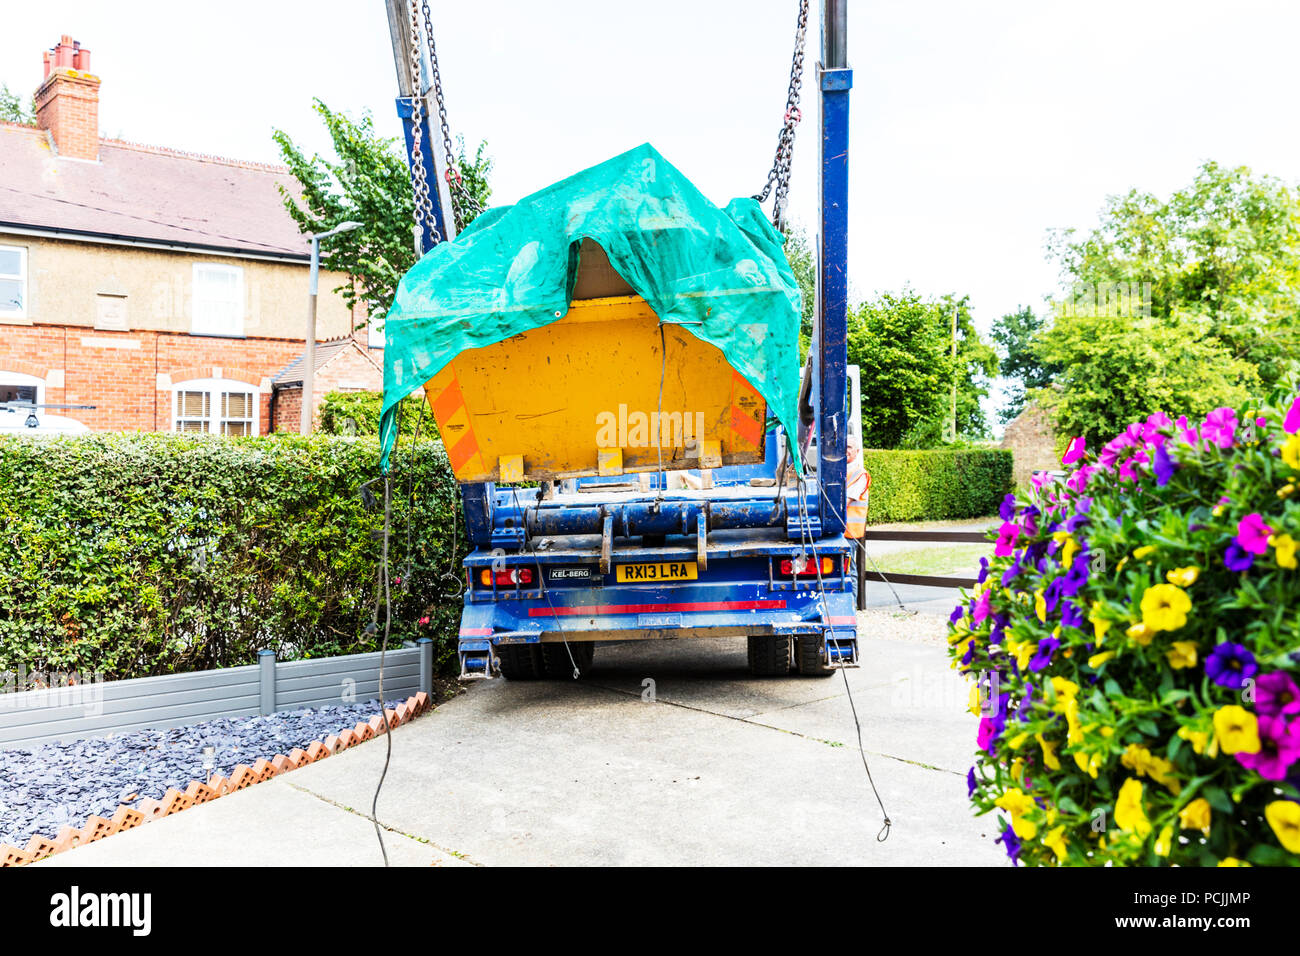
[[975, 126]]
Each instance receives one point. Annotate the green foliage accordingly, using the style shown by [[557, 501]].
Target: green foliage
[[1222, 260], [1014, 334], [902, 346], [1116, 369], [357, 413], [804, 267], [368, 182], [1134, 647], [139, 554], [936, 484], [13, 110]]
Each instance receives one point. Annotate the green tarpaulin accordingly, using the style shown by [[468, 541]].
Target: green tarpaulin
[[719, 273]]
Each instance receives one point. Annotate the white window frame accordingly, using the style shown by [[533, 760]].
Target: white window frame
[[21, 276], [24, 381], [216, 389], [200, 324]]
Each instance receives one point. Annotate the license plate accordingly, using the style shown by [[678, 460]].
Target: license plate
[[667, 571]]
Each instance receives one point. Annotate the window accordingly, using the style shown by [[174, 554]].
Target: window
[[215, 406], [13, 282], [218, 300], [375, 334], [16, 387]]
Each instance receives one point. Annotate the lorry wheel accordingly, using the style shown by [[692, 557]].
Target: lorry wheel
[[808, 653], [556, 659], [769, 655], [520, 661]]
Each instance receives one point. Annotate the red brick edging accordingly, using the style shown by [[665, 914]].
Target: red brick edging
[[174, 801]]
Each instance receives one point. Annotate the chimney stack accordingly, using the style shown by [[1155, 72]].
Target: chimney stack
[[67, 101]]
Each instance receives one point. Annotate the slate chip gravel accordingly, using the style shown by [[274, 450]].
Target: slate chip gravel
[[52, 785]]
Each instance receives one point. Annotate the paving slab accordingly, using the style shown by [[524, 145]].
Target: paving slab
[[712, 767]]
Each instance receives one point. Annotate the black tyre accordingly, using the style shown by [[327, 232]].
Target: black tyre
[[556, 662], [520, 661], [808, 658], [769, 655]]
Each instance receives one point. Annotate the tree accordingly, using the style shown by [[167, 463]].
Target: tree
[[1116, 370], [1014, 334], [12, 109], [369, 182], [1222, 253], [804, 267], [902, 345]]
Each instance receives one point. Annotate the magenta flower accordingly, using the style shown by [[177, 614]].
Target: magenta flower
[[1187, 432], [1276, 695], [1252, 533], [1220, 427], [1153, 431], [1075, 451], [1131, 469], [1007, 535], [1291, 423], [988, 733], [1279, 748], [981, 610]]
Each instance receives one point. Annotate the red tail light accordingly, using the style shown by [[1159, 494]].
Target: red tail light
[[506, 579], [805, 565]]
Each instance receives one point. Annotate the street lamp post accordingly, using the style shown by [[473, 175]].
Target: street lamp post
[[309, 357]]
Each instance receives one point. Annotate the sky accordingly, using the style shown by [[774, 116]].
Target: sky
[[975, 127]]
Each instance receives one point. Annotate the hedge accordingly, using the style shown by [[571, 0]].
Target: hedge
[[357, 413], [135, 555], [938, 484]]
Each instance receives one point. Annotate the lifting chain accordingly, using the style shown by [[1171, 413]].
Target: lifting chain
[[779, 175], [423, 211], [461, 200]]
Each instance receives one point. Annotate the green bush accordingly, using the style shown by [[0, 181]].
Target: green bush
[[936, 484], [361, 410], [135, 555]]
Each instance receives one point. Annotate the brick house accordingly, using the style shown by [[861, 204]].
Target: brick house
[[167, 289]]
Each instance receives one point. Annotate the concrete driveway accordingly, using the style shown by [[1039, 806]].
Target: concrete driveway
[[666, 753]]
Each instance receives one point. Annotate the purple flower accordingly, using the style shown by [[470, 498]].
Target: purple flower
[[1010, 573], [1220, 427], [970, 782], [1230, 665], [1074, 580], [1237, 559], [1007, 535], [1046, 648], [956, 614], [1078, 447], [1012, 843], [1007, 510], [1276, 695], [1071, 615], [1252, 533], [1291, 423], [1164, 466], [1279, 748], [984, 571], [1026, 703]]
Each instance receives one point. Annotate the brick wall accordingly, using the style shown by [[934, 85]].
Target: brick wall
[[129, 376], [67, 104], [1032, 442]]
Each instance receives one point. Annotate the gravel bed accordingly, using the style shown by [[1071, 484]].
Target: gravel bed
[[895, 624], [46, 787]]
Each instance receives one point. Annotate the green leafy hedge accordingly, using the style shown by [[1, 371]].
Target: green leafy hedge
[[938, 484], [134, 555], [357, 413]]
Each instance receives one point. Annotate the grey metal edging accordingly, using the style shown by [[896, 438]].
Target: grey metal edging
[[99, 708]]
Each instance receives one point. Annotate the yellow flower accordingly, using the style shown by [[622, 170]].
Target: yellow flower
[[1018, 804], [1197, 738], [1291, 451], [1049, 753], [1183, 577], [1088, 763], [1164, 842], [1065, 690], [1099, 624], [1022, 651], [1017, 769], [1128, 808], [1286, 491], [1182, 654], [1165, 607], [1018, 740], [1075, 733], [1231, 861], [1055, 841], [1069, 547], [1140, 634], [1236, 730], [1284, 817], [1040, 606], [1098, 659], [1146, 764], [973, 704], [1195, 816], [1284, 550], [1143, 552]]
